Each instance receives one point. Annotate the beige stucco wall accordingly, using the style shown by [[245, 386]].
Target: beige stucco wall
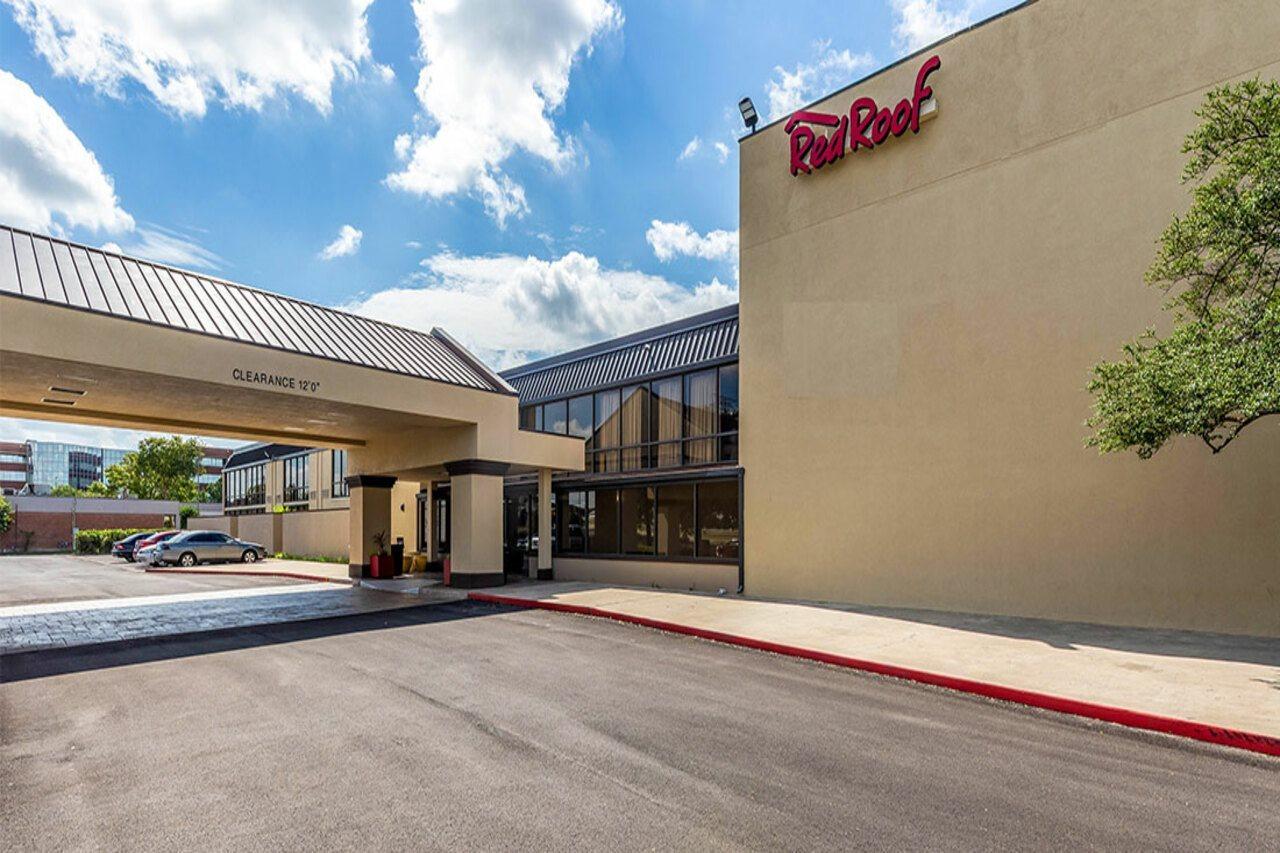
[[264, 529], [705, 577], [221, 523], [919, 322], [315, 533]]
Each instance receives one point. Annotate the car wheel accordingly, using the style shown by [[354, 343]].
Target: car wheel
[[250, 556], [187, 560]]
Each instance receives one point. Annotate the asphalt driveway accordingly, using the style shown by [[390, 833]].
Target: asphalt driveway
[[466, 726], [41, 578]]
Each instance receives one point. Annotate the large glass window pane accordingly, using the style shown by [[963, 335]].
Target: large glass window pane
[[607, 430], [635, 427], [718, 524], [637, 520], [555, 417], [699, 416], [602, 521], [665, 416], [580, 420], [675, 528], [528, 417], [729, 412], [573, 522]]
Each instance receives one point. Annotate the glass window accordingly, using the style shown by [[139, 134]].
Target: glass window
[[718, 519], [675, 528], [295, 479], [555, 417], [665, 416], [580, 420], [573, 521], [340, 487], [729, 412], [528, 417], [637, 520], [635, 427], [602, 521], [699, 417], [607, 431]]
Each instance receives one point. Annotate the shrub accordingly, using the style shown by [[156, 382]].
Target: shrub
[[99, 541]]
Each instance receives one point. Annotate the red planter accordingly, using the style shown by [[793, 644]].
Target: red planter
[[382, 566]]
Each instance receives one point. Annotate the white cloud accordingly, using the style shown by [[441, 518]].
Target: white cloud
[[722, 151], [923, 22], [690, 149], [164, 246], [510, 309], [493, 74], [672, 239], [412, 244], [186, 54], [830, 69], [48, 179], [346, 243], [25, 429]]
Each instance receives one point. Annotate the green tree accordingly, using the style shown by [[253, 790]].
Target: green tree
[[1218, 370], [63, 491], [160, 469], [98, 489], [211, 493], [6, 515]]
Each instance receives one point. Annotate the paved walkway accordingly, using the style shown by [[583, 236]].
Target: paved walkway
[[304, 569], [1219, 680], [65, 624]]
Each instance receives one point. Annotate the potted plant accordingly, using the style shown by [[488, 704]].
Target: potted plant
[[380, 564]]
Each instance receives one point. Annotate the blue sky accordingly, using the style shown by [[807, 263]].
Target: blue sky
[[562, 171]]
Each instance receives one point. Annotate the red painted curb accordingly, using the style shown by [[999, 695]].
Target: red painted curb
[[249, 573], [1121, 716]]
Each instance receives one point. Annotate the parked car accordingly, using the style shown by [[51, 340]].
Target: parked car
[[143, 549], [125, 547], [205, 546]]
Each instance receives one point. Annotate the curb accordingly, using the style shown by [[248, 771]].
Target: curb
[[251, 573], [1120, 716]]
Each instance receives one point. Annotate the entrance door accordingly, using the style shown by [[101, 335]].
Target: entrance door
[[440, 530]]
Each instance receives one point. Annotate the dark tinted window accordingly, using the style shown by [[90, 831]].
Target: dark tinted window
[[718, 519], [676, 523], [636, 522]]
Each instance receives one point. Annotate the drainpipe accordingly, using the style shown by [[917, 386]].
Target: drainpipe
[[742, 551]]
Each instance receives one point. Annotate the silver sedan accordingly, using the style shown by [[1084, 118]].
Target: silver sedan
[[205, 546]]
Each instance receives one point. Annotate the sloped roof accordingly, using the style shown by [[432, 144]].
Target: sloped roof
[[702, 339], [34, 266]]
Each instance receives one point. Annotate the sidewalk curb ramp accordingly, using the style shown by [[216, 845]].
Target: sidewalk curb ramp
[[252, 573], [1120, 716]]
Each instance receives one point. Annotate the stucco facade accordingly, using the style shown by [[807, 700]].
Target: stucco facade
[[919, 322]]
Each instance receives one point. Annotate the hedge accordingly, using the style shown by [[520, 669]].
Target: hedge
[[100, 541]]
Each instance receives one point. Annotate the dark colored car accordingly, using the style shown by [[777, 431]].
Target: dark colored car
[[124, 548], [205, 546], [150, 543]]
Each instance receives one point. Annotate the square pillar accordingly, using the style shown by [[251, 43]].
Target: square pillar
[[370, 514], [475, 523], [544, 524]]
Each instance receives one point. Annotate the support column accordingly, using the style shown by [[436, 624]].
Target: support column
[[544, 524], [475, 524], [370, 514]]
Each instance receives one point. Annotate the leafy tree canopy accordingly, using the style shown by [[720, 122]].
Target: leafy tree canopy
[[160, 469], [1218, 370], [6, 515]]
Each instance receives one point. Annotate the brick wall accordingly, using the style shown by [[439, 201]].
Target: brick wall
[[51, 531]]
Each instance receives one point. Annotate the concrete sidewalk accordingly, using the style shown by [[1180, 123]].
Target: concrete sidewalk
[[312, 570], [1212, 679]]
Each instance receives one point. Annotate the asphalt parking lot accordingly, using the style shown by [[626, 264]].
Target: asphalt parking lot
[[467, 726], [41, 578]]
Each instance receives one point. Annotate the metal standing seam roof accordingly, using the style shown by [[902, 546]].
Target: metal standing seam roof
[[685, 344], [47, 269]]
